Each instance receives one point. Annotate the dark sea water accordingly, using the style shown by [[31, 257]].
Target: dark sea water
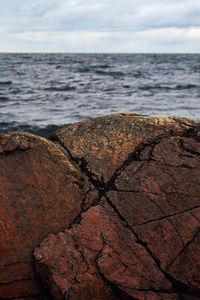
[[40, 92]]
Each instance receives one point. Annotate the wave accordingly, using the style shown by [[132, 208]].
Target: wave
[[60, 88], [26, 57], [137, 74], [103, 66], [8, 82], [126, 86], [168, 88], [109, 73], [93, 68], [4, 99], [186, 86], [84, 70]]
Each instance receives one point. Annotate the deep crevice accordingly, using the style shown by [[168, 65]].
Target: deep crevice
[[82, 163], [78, 218]]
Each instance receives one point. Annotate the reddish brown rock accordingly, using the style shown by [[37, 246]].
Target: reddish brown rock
[[81, 262], [103, 144], [41, 192], [142, 240], [159, 197]]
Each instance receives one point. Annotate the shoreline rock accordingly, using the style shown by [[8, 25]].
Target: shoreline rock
[[123, 214], [104, 144], [41, 192]]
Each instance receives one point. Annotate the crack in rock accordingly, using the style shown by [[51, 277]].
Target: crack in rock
[[41, 192], [126, 190]]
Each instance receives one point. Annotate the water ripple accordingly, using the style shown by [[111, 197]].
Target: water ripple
[[39, 91]]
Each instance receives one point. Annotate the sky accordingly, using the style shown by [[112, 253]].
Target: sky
[[133, 26]]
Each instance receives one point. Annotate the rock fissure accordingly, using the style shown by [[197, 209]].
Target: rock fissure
[[104, 187], [185, 246], [170, 215], [105, 279], [177, 286], [82, 163], [116, 203]]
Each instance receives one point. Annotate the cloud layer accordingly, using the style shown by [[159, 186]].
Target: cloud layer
[[104, 26]]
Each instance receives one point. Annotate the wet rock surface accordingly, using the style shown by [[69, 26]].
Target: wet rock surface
[[133, 182], [41, 192]]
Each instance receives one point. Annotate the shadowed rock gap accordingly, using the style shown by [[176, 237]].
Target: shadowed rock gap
[[99, 184]]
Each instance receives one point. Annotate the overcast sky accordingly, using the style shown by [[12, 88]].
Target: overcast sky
[[100, 26]]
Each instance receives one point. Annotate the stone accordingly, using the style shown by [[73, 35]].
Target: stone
[[101, 145], [140, 238], [159, 199], [41, 192], [81, 261]]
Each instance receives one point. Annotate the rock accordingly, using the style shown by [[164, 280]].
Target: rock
[[79, 259], [103, 144], [41, 192], [159, 199], [140, 239]]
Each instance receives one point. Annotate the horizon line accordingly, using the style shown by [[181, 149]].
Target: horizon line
[[76, 52]]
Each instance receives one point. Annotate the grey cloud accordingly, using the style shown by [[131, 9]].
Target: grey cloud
[[106, 15], [26, 21]]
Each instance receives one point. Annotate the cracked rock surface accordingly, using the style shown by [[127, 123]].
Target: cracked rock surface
[[41, 192], [103, 144], [140, 238], [109, 211]]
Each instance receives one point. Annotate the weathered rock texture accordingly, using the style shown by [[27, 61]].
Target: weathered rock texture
[[140, 239], [41, 192], [115, 202], [103, 144]]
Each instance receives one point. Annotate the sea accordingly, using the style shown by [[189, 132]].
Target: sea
[[40, 93]]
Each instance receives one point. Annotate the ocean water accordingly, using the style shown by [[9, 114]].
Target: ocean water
[[41, 92]]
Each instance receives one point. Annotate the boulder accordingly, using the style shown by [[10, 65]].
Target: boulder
[[141, 238], [96, 258], [41, 192], [103, 144]]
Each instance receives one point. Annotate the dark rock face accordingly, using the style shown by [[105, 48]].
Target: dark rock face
[[41, 192], [140, 240]]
